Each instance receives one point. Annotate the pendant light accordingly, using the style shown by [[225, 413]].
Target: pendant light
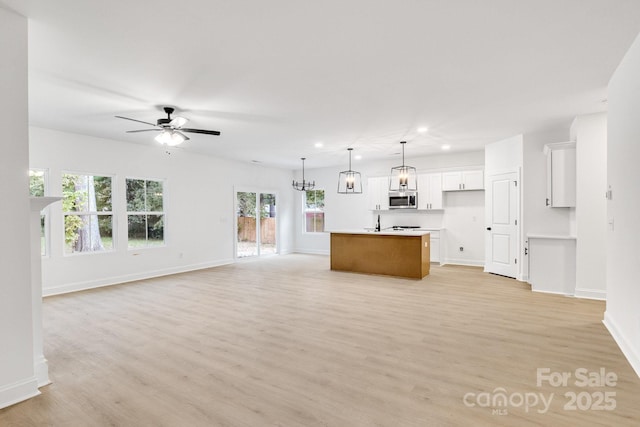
[[304, 185], [349, 182], [403, 178]]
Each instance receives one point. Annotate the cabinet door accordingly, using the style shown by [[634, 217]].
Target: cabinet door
[[451, 181], [561, 174], [378, 193], [563, 178], [373, 193], [435, 191], [424, 196], [383, 193], [473, 180], [434, 254]]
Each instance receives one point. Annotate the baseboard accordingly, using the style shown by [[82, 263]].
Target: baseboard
[[550, 292], [591, 294], [108, 281], [466, 262], [313, 251], [18, 391], [41, 368], [623, 343]]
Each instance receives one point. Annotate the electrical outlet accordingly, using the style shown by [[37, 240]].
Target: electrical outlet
[[461, 248]]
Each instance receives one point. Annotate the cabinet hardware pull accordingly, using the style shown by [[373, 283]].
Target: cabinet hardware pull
[[547, 202]]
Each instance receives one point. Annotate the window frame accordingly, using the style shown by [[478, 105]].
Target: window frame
[[305, 210], [45, 214], [110, 213], [162, 213]]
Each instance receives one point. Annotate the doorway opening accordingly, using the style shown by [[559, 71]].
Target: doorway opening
[[256, 224]]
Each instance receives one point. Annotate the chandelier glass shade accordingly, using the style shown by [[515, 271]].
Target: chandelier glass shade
[[403, 178], [349, 181]]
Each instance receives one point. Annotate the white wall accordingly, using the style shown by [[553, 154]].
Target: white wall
[[199, 207], [590, 134], [504, 156], [537, 218], [17, 379], [622, 317], [463, 214]]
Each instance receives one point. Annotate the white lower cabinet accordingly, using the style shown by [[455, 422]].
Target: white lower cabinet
[[436, 252]]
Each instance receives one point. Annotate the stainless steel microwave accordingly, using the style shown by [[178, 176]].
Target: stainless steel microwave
[[405, 200]]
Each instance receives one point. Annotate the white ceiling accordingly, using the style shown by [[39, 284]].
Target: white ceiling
[[277, 76]]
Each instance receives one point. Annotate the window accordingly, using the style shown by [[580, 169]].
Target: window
[[145, 213], [314, 211], [88, 218], [37, 178]]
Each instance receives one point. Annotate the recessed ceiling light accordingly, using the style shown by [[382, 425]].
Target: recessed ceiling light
[[446, 147], [358, 157], [423, 129], [318, 144]]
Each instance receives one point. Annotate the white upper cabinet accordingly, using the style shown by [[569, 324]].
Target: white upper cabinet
[[561, 174], [463, 180], [378, 193], [430, 191]]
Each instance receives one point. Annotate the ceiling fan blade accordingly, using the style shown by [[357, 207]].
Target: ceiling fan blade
[[139, 121], [186, 138], [206, 132], [144, 130], [178, 122]]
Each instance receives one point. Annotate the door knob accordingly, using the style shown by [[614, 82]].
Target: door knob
[[488, 228]]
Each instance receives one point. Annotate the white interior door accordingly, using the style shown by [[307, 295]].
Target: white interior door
[[502, 198]]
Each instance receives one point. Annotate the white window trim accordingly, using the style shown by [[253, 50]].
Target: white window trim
[[104, 213], [163, 213], [304, 214]]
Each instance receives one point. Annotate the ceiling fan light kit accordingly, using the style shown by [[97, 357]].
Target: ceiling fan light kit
[[171, 138], [171, 129]]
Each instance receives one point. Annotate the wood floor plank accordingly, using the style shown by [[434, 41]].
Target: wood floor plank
[[284, 341]]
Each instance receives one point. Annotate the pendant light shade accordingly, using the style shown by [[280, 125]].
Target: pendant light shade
[[349, 182], [304, 185], [403, 178]]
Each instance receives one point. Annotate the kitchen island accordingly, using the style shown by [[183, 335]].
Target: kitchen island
[[391, 253]]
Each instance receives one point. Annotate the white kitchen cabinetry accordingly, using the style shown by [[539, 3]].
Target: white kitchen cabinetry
[[430, 191], [561, 174], [436, 236], [552, 264], [463, 180], [378, 193]]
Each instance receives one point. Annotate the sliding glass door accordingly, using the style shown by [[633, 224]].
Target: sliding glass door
[[256, 226]]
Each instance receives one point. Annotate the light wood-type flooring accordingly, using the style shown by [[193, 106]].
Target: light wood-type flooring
[[284, 341]]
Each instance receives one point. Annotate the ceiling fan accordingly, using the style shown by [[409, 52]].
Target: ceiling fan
[[171, 130]]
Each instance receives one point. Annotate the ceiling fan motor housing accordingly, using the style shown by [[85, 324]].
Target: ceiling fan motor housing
[[164, 122]]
